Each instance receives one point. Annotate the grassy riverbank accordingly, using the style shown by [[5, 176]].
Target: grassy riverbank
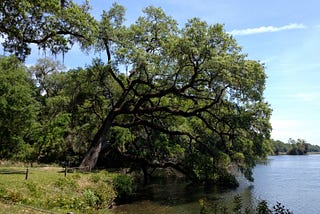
[[48, 189]]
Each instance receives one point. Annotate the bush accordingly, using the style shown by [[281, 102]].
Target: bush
[[66, 182], [13, 196], [90, 198], [95, 178], [124, 186]]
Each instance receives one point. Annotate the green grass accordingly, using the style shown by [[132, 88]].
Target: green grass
[[48, 189], [17, 209]]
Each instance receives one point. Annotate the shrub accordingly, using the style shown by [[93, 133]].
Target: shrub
[[66, 182], [123, 185], [203, 207], [105, 194], [95, 178], [14, 196], [90, 198], [33, 188]]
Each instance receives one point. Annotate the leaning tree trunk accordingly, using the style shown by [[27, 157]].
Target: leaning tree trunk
[[98, 143]]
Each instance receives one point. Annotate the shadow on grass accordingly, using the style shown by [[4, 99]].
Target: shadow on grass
[[11, 171]]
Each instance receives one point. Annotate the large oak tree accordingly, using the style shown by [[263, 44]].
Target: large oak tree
[[190, 87], [185, 98]]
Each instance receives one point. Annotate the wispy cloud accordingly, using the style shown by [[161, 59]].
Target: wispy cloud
[[267, 29], [307, 97]]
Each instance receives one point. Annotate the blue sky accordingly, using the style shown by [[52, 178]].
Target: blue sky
[[283, 34]]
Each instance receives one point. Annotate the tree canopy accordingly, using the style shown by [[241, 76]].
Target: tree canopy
[[53, 25], [163, 96], [18, 107], [191, 89]]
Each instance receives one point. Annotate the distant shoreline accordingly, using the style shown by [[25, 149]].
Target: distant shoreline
[[284, 153]]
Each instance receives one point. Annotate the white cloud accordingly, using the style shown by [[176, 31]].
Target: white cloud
[[266, 29]]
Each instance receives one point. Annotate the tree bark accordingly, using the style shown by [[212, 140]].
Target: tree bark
[[100, 139], [99, 142]]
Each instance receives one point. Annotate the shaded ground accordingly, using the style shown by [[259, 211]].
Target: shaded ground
[[11, 171], [16, 209]]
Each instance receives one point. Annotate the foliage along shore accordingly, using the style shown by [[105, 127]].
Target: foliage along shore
[[293, 147]]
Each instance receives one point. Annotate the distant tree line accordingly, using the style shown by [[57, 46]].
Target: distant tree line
[[293, 147]]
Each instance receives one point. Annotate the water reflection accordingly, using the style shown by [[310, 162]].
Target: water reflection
[[291, 180], [178, 196]]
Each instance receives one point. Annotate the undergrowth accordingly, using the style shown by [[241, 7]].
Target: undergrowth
[[47, 188]]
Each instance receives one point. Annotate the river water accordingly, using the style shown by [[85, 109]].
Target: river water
[[292, 180]]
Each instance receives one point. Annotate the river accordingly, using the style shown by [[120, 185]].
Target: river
[[292, 180]]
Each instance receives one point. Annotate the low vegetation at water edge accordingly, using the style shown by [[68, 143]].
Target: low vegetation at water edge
[[47, 188], [262, 207]]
